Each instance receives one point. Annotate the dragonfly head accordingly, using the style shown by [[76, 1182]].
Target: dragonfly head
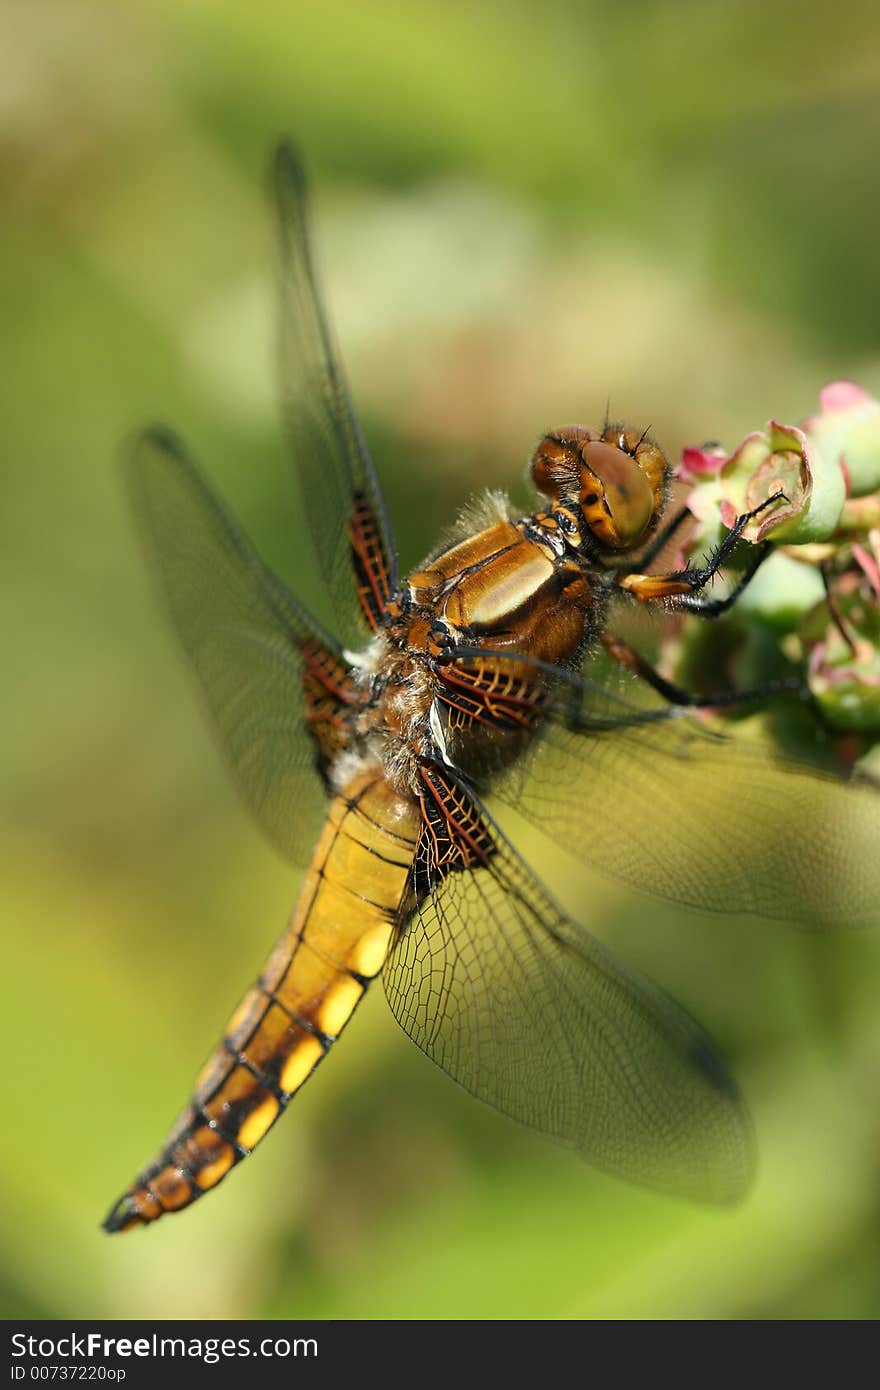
[[615, 480]]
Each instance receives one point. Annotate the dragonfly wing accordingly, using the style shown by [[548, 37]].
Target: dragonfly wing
[[260, 660], [528, 1012], [711, 822], [659, 800], [340, 490]]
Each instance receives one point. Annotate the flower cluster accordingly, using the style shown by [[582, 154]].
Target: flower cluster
[[814, 606]]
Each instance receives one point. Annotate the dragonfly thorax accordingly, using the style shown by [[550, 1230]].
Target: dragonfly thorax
[[510, 588]]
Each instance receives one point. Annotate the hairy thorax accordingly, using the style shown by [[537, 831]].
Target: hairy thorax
[[512, 587]]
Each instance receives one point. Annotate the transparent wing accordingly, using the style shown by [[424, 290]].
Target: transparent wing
[[713, 821], [249, 642], [528, 1012], [341, 493]]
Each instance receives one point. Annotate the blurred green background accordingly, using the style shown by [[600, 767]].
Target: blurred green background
[[524, 209]]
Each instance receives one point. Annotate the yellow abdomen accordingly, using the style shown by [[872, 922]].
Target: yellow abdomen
[[335, 943]]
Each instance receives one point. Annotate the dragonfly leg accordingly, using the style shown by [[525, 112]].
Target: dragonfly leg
[[683, 587], [664, 536], [627, 656]]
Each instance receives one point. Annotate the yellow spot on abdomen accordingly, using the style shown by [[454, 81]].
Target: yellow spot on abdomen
[[257, 1122], [300, 1063], [368, 954], [212, 1172], [336, 1008]]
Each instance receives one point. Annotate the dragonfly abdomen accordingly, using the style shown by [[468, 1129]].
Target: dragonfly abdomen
[[335, 943]]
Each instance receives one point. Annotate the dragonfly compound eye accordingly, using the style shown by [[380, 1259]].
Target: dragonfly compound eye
[[616, 478], [616, 497]]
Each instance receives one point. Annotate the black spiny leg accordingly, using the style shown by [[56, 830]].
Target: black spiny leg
[[714, 607], [625, 655], [664, 536], [683, 587]]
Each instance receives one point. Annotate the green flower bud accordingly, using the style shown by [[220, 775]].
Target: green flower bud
[[847, 430], [781, 593]]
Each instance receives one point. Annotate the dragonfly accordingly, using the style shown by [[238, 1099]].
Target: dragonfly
[[368, 756]]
